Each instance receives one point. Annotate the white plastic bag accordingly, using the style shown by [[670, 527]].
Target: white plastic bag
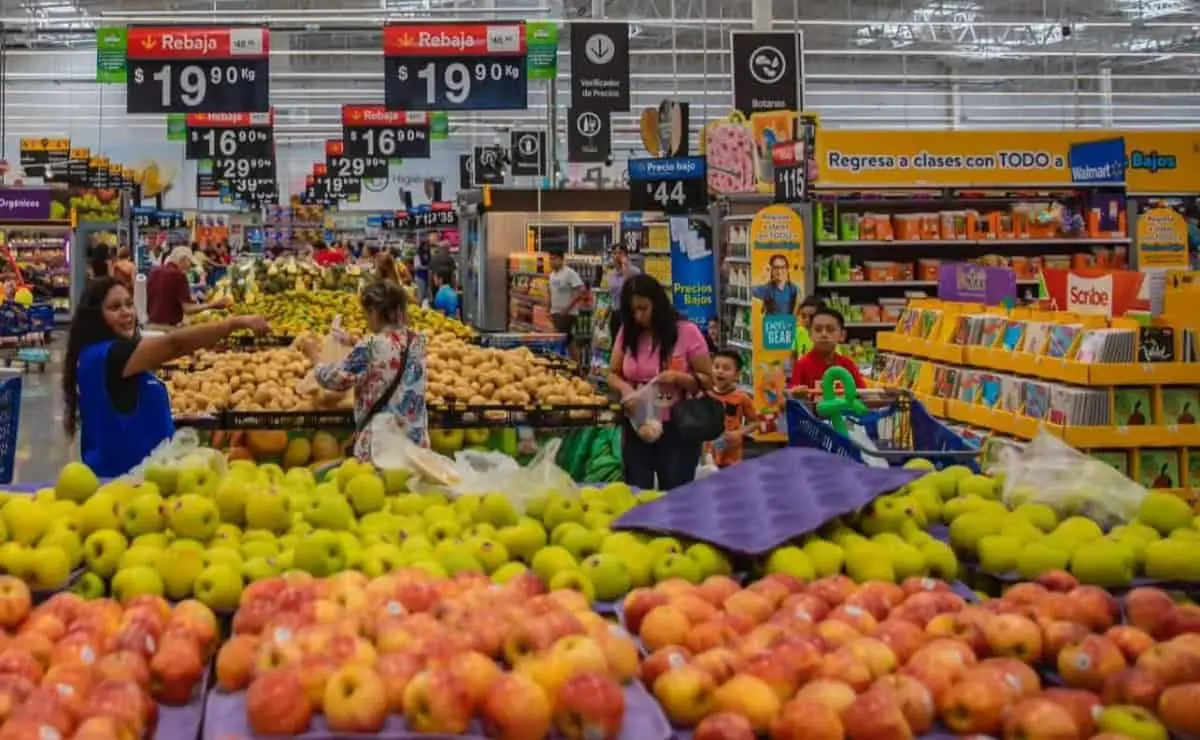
[[643, 413], [182, 449], [1049, 471], [706, 467], [393, 449]]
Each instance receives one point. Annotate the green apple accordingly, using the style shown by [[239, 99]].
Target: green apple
[[320, 553], [89, 586], [366, 493], [968, 529], [665, 546], [258, 548], [1039, 515], [562, 530], [940, 560], [178, 567], [166, 477], [226, 536], [560, 510], [522, 539], [1165, 512], [348, 470], [407, 504], [259, 569], [430, 566], [460, 561], [792, 561], [47, 568], [67, 540], [581, 542], [712, 561], [103, 550], [550, 560], [466, 506], [101, 511], [1169, 560], [301, 478], [76, 482], [143, 515], [649, 495], [268, 509], [490, 553], [219, 587], [157, 540], [139, 555], [136, 581], [998, 553], [869, 561], [907, 560], [574, 580], [441, 529], [193, 516], [826, 557], [508, 571], [396, 481], [1133, 722], [618, 541], [918, 463], [978, 485], [378, 560], [496, 509], [676, 565], [222, 556], [608, 575], [440, 513], [331, 512], [479, 529], [1077, 530], [1040, 557], [231, 497], [198, 479]]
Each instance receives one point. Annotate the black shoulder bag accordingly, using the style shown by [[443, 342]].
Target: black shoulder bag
[[699, 418], [382, 402]]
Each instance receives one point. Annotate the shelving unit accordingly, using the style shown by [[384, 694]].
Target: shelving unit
[[42, 253], [891, 242], [529, 291], [734, 305]]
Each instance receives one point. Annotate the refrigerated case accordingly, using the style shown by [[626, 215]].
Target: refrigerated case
[[512, 221]]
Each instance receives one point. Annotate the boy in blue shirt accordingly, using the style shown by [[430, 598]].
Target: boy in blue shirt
[[445, 299]]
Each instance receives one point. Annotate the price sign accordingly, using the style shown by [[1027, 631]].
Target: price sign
[[45, 158], [213, 135], [436, 215], [455, 66], [343, 188], [77, 167], [252, 189], [791, 172], [668, 185], [197, 70], [240, 168], [375, 132]]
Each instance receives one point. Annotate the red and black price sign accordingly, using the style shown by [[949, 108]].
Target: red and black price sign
[[198, 70]]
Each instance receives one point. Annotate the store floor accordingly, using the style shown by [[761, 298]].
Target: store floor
[[42, 448]]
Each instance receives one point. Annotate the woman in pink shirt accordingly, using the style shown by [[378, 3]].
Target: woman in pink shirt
[[653, 342]]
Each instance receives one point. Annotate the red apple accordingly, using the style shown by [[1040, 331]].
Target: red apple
[[837, 695], [15, 601], [715, 589], [804, 607], [1058, 581], [708, 635], [903, 637], [858, 618], [1083, 706], [235, 662], [590, 706], [1132, 686], [1149, 609], [515, 708], [750, 697], [175, 670], [1014, 636], [477, 672], [1017, 676], [833, 590], [1171, 663], [973, 707], [276, 704], [805, 719], [773, 671], [663, 626], [1040, 719], [1088, 663], [661, 661], [1179, 709], [876, 714], [875, 654], [755, 606], [20, 662], [914, 698], [355, 700], [842, 665], [686, 694], [1100, 610], [1057, 634], [397, 669], [724, 726], [124, 666], [46, 705], [434, 702]]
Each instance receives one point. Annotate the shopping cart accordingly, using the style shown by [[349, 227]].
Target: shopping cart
[[23, 334], [901, 431], [10, 415]]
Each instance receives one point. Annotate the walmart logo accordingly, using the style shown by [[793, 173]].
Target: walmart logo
[[1151, 161]]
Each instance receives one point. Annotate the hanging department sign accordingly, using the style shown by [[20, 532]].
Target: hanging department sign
[[455, 66], [198, 70], [110, 54], [600, 66], [589, 136], [767, 71]]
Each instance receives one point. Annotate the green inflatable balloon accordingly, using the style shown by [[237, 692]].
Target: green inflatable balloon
[[836, 408]]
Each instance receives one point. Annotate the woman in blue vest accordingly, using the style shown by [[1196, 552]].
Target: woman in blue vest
[[110, 393]]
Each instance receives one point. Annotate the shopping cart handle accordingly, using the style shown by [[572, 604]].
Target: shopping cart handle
[[836, 408]]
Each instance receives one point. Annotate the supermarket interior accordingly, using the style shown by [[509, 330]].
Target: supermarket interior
[[713, 370]]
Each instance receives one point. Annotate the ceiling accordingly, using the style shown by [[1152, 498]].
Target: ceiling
[[868, 63]]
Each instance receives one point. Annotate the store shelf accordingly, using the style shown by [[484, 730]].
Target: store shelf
[[1085, 438], [738, 302], [870, 324], [895, 284], [1032, 242], [738, 259], [739, 344], [656, 252]]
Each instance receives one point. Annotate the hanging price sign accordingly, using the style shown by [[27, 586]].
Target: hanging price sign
[[374, 132], [229, 135], [198, 70], [669, 185], [455, 66]]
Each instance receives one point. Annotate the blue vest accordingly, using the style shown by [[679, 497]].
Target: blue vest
[[113, 443]]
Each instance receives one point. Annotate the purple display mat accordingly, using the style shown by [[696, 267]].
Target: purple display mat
[[184, 722], [757, 505], [225, 718]]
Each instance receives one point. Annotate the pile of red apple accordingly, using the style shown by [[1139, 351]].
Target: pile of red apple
[[93, 670], [832, 659], [443, 654]]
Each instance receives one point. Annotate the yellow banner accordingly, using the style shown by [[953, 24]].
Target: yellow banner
[[98, 163], [82, 154], [1162, 240], [45, 145], [1157, 161], [776, 290]]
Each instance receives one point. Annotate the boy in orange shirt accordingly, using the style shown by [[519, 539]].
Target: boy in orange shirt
[[739, 408]]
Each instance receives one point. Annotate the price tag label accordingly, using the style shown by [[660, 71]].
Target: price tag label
[[455, 66], [197, 70], [669, 185], [372, 131], [436, 215], [213, 135], [791, 172], [241, 168]]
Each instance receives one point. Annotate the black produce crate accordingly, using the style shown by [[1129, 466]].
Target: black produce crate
[[212, 422], [578, 415], [463, 416], [238, 342], [341, 419]]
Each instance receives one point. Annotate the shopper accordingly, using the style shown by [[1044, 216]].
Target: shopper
[[803, 344], [739, 408], [168, 293], [123, 268], [386, 369], [567, 294], [653, 342], [827, 329], [445, 297], [110, 393], [621, 269], [386, 268]]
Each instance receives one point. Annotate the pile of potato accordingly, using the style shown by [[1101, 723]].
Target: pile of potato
[[262, 380], [464, 373]]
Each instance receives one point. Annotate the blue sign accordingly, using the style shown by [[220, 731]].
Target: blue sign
[[693, 270], [779, 331], [1097, 162], [680, 168], [670, 185]]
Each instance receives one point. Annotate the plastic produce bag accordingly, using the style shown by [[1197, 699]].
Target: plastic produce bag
[[332, 348], [859, 436], [1049, 471], [182, 450], [645, 416]]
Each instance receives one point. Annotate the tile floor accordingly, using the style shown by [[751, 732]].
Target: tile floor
[[42, 447]]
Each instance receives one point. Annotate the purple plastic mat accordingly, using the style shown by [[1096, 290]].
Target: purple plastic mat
[[225, 717], [757, 505], [183, 722]]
